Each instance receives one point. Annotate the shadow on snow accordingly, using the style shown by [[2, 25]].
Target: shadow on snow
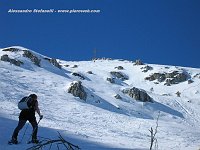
[[8, 125]]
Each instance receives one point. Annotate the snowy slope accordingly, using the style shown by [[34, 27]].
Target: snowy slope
[[102, 121]]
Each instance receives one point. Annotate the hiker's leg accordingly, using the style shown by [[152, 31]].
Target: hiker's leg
[[35, 128], [20, 125]]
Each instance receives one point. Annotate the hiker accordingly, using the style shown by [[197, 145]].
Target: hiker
[[28, 114]]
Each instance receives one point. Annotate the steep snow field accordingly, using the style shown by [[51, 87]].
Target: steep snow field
[[102, 121]]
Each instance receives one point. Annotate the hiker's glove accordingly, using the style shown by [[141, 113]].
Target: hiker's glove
[[41, 116]]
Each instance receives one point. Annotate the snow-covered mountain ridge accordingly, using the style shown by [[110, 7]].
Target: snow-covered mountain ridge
[[107, 117]]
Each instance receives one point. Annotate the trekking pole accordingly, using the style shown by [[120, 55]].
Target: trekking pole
[[24, 132], [34, 130]]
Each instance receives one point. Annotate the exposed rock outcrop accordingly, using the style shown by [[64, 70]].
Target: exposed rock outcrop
[[32, 57], [77, 90], [78, 75], [190, 81], [89, 72], [197, 75], [12, 61], [119, 68], [11, 49], [159, 76], [111, 80], [174, 77], [66, 65], [75, 66], [138, 62], [138, 94], [117, 96], [178, 94], [54, 62], [103, 58], [146, 68], [119, 75]]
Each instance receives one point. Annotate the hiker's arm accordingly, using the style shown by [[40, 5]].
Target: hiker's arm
[[37, 108]]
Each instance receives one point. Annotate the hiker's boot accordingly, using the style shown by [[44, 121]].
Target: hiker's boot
[[35, 141], [14, 141]]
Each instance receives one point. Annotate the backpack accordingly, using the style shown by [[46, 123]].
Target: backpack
[[25, 103]]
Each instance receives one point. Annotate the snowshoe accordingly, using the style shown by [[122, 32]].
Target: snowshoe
[[13, 141], [35, 141]]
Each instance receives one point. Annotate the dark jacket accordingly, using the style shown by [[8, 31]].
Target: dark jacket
[[29, 114]]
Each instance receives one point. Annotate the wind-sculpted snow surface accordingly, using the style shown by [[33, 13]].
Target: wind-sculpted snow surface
[[101, 121]]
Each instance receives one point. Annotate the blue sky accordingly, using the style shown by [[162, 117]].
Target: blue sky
[[155, 31]]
